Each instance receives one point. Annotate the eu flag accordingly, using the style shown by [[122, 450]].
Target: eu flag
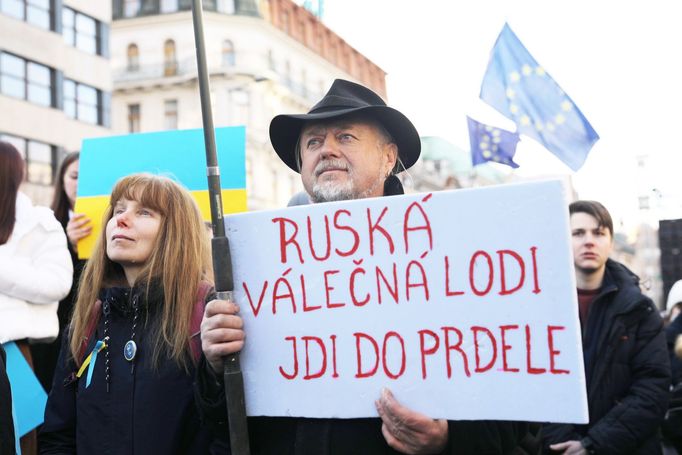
[[491, 144], [521, 90]]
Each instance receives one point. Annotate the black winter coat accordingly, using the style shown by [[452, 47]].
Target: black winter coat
[[301, 436], [147, 410], [627, 370]]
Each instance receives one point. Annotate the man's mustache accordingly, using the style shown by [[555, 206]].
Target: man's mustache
[[329, 165]]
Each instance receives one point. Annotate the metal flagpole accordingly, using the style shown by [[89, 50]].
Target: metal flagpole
[[222, 265]]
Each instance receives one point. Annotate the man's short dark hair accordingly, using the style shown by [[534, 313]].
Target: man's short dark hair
[[596, 209]]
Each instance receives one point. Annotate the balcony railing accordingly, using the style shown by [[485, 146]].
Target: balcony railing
[[155, 71], [187, 69]]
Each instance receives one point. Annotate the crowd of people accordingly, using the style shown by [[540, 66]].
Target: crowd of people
[[130, 344]]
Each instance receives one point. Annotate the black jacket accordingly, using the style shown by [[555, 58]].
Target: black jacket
[[626, 368], [301, 436], [674, 330], [147, 410], [6, 422]]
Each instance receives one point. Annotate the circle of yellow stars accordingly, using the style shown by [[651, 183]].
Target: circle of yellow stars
[[489, 143], [525, 120]]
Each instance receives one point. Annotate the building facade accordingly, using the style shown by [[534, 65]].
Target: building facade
[[55, 81], [264, 58]]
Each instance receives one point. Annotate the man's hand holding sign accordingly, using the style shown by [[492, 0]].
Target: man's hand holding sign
[[452, 305], [222, 332]]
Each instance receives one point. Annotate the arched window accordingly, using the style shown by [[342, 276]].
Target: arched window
[[304, 83], [170, 63], [133, 57], [287, 74], [228, 53]]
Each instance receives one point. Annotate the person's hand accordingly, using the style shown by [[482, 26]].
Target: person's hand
[[77, 228], [221, 332], [569, 448], [408, 431]]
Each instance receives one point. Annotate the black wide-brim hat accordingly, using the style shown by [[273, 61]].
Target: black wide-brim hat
[[345, 98]]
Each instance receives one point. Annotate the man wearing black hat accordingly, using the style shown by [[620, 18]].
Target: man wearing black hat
[[349, 146]]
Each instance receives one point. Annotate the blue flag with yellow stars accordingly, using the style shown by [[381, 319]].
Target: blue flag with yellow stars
[[491, 144], [521, 90]]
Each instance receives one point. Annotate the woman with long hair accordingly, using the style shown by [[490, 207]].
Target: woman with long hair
[[76, 226], [124, 378], [35, 268]]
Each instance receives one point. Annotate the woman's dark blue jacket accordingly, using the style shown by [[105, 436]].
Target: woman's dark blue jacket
[[143, 409]]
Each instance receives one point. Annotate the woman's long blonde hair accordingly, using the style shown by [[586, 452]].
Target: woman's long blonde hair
[[179, 260]]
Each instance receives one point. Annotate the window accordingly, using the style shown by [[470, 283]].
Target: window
[[80, 31], [239, 107], [228, 53], [133, 57], [332, 53], [300, 29], [83, 102], [226, 6], [287, 74], [39, 84], [12, 76], [170, 64], [16, 141], [39, 163], [171, 114], [26, 80], [285, 20], [131, 8], [133, 118], [169, 6], [40, 158], [35, 12], [304, 83], [271, 60]]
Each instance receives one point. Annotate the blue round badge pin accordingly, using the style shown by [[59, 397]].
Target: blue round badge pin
[[129, 350]]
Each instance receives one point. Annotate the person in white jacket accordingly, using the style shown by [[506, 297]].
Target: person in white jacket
[[35, 265]]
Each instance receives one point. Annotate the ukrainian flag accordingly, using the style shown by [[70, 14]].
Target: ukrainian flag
[[180, 155]]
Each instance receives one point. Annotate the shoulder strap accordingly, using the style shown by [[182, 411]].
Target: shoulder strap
[[89, 332], [197, 315], [195, 324]]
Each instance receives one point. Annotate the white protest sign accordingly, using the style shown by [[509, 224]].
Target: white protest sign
[[463, 303]]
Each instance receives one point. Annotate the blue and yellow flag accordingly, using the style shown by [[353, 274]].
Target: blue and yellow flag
[[520, 89], [179, 155], [489, 143]]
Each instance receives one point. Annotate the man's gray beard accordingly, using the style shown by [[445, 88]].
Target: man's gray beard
[[330, 191]]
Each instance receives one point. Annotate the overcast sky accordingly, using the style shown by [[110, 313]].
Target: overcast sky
[[620, 62]]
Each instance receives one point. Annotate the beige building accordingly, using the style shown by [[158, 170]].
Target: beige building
[[55, 81], [264, 58]]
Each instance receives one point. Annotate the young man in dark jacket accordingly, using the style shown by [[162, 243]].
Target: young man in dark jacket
[[349, 146], [626, 362]]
